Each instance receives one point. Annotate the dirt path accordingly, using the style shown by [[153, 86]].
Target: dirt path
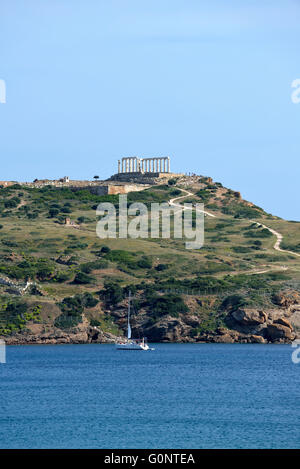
[[278, 240], [279, 236], [171, 202]]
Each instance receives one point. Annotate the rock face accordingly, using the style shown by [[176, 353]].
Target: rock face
[[249, 317], [277, 331], [263, 326], [78, 335], [244, 325], [168, 329], [287, 298]]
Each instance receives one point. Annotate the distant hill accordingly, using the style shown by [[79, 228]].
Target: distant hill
[[60, 283]]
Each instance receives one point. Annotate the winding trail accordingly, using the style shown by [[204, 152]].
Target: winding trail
[[279, 239], [171, 202], [279, 236]]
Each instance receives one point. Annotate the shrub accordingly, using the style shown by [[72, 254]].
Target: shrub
[[112, 293], [53, 212], [172, 182], [82, 278], [144, 263], [105, 249], [233, 302], [66, 210], [168, 304], [175, 192], [258, 233], [240, 249], [10, 203], [204, 194], [161, 267], [72, 309], [90, 266]]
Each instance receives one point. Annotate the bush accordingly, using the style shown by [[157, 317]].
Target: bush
[[161, 267], [233, 302], [53, 212], [240, 249], [10, 203], [172, 182], [82, 278], [66, 210], [175, 192], [72, 309], [168, 304], [61, 277], [105, 249], [90, 266], [144, 263], [112, 293], [258, 233], [204, 194]]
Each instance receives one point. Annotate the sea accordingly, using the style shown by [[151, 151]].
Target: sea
[[179, 396]]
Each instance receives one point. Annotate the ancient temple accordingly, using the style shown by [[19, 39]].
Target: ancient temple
[[144, 165]]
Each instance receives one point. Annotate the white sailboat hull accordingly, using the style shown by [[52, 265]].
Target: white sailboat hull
[[132, 346]]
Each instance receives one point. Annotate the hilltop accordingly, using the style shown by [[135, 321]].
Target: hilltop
[[60, 283]]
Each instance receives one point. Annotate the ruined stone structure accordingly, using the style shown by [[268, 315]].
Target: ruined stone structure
[[144, 165]]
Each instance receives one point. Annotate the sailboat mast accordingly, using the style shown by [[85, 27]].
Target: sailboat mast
[[129, 328]]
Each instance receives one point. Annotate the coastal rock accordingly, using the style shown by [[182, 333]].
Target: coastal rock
[[249, 317], [257, 339], [169, 329], [277, 331], [287, 298], [223, 339], [284, 322]]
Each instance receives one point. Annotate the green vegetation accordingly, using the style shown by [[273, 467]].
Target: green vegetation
[[66, 262], [72, 309], [14, 316], [171, 305]]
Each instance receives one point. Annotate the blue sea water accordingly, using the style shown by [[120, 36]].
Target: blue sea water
[[178, 396]]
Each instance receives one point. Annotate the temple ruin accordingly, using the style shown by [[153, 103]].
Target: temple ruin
[[144, 165]]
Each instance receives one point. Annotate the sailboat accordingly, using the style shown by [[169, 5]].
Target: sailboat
[[132, 344]]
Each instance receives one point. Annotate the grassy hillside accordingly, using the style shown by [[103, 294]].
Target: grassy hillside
[[74, 273]]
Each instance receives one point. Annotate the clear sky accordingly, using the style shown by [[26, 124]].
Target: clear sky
[[207, 82]]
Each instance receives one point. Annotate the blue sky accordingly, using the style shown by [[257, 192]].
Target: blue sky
[[206, 82]]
